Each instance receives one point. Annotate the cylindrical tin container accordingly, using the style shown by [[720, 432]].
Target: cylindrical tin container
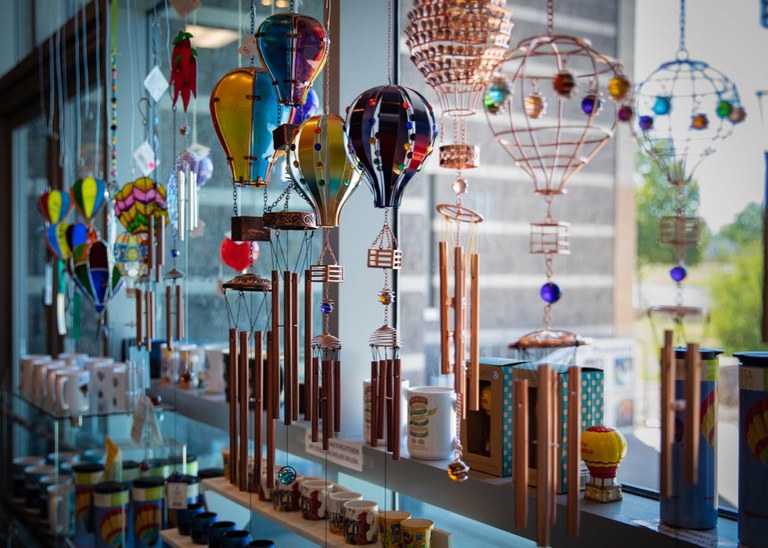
[[19, 464], [130, 471], [110, 507], [694, 505], [753, 448], [193, 496], [147, 517], [86, 476], [177, 465]]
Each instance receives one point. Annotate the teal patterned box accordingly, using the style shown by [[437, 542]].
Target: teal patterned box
[[592, 385], [487, 434]]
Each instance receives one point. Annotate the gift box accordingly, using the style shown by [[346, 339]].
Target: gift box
[[486, 434], [591, 414]]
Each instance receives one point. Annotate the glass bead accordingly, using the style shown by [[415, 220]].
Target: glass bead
[[699, 121], [724, 109], [372, 140], [678, 273], [496, 96], [662, 105], [646, 123], [535, 106], [458, 470], [321, 182], [460, 186], [326, 308], [590, 104], [618, 86], [386, 297], [184, 130], [625, 113], [406, 106], [175, 253], [318, 146], [564, 84], [550, 292], [286, 475], [318, 130], [737, 115]]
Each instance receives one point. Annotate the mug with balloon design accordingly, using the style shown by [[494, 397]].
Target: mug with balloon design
[[110, 509], [417, 532], [361, 522]]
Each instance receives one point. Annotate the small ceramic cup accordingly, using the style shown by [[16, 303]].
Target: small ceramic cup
[[186, 515], [336, 509], [361, 522], [417, 532], [201, 525], [216, 532], [285, 497], [389, 525], [313, 499], [235, 539]]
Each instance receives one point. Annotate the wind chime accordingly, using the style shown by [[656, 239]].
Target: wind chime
[[557, 118], [685, 108], [457, 46]]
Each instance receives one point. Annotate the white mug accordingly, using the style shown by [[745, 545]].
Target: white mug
[[27, 370], [126, 385], [39, 386], [361, 522], [312, 499], [104, 386], [336, 510], [214, 376], [61, 509], [92, 365], [405, 384], [50, 385], [72, 391], [75, 359], [431, 422]]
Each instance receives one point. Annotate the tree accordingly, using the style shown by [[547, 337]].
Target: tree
[[747, 227], [656, 198]]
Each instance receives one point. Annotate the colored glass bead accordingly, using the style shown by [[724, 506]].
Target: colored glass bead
[[318, 130], [550, 292], [662, 105], [646, 123], [175, 253], [496, 95], [460, 186], [590, 104], [535, 106], [737, 115], [326, 308], [286, 475], [618, 86], [724, 109], [386, 297], [564, 84], [318, 146], [625, 113], [458, 470], [699, 121], [678, 273]]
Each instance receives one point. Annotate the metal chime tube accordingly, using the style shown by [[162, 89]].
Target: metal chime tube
[[667, 413], [160, 248], [308, 386], [179, 312], [474, 333], [574, 449], [232, 393], [273, 380], [150, 331], [294, 349], [139, 317], [258, 405], [150, 245], [520, 454], [389, 395], [374, 398], [315, 399], [396, 395], [275, 354], [554, 460], [692, 411], [169, 317], [544, 485], [192, 201], [445, 361], [287, 350], [337, 396], [242, 401], [327, 403], [460, 319], [181, 181]]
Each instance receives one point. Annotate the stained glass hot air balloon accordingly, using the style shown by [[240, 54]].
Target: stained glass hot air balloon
[[95, 273], [319, 164], [54, 205], [80, 234], [603, 448], [137, 201], [56, 238], [130, 253], [307, 110], [293, 48], [89, 195], [756, 426], [245, 111], [389, 133]]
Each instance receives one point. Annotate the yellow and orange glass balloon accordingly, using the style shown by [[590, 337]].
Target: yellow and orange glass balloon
[[245, 111], [137, 201], [318, 161], [602, 449]]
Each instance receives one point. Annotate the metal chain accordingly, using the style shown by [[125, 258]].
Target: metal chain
[[253, 28], [681, 46], [550, 17], [548, 271], [390, 30], [234, 199]]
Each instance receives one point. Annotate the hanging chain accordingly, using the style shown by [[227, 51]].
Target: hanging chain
[[550, 17], [253, 27], [327, 72], [390, 30], [548, 271], [681, 46], [234, 199], [292, 7]]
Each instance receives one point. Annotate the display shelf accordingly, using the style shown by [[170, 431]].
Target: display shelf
[[484, 498], [174, 539], [315, 531], [20, 403]]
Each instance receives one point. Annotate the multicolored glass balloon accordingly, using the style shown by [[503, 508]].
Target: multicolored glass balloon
[[130, 253], [307, 110], [95, 274], [89, 195], [56, 238], [54, 205], [319, 163], [137, 201], [80, 234], [389, 133], [245, 111], [293, 48]]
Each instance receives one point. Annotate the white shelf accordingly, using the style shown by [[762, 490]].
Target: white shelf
[[174, 539], [315, 531]]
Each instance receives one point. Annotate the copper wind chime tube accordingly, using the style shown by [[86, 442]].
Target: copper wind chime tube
[[174, 308], [146, 311], [547, 461], [385, 404]]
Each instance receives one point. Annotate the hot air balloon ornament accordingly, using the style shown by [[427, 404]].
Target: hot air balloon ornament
[[685, 109], [603, 448], [95, 273], [183, 69], [89, 195], [562, 108]]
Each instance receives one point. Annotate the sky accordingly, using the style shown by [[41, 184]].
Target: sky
[[728, 36]]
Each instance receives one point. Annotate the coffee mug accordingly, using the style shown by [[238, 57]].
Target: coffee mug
[[40, 395], [32, 475], [313, 498], [361, 522], [405, 384], [110, 508], [62, 457], [235, 539], [201, 524], [265, 493], [216, 532], [431, 422], [27, 370], [37, 381], [87, 475], [72, 391], [285, 497], [214, 375], [18, 467], [389, 528], [49, 386], [61, 508], [104, 386], [147, 511], [336, 509], [73, 359], [186, 515], [417, 532], [43, 484], [92, 365]]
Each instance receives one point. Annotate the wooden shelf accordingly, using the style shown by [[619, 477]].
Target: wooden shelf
[[173, 538]]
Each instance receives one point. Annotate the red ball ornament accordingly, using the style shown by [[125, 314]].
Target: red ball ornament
[[238, 255]]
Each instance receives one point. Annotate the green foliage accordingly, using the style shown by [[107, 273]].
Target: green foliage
[[655, 199], [737, 301], [747, 227]]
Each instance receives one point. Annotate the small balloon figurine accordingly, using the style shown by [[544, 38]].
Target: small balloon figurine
[[183, 68], [603, 448]]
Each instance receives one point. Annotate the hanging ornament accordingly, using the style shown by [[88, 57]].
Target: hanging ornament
[[56, 238], [496, 96], [131, 255], [564, 84], [183, 69], [183, 203], [139, 200], [54, 206], [590, 104], [95, 273], [78, 234], [304, 112], [238, 255], [662, 106], [89, 195], [535, 106], [618, 88]]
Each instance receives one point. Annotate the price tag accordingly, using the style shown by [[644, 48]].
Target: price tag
[[145, 430], [145, 158], [248, 46], [185, 7], [156, 83], [177, 496]]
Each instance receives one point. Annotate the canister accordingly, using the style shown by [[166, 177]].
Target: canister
[[158, 468], [32, 475], [130, 471], [193, 495], [87, 475], [110, 508], [176, 463], [147, 516], [753, 448], [694, 505]]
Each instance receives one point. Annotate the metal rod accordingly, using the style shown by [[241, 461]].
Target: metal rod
[[692, 412], [390, 391], [474, 333], [272, 380], [554, 445], [150, 331], [445, 361], [139, 318], [459, 325], [294, 327], [574, 449], [242, 401], [543, 466], [374, 397], [337, 396], [150, 244], [382, 398], [169, 317], [520, 452], [258, 405], [315, 399], [160, 248], [179, 312], [667, 413], [232, 393], [275, 355], [327, 403], [396, 395], [308, 388], [287, 350]]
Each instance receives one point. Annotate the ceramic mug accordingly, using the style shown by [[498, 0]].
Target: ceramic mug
[[361, 522], [27, 370], [389, 525], [61, 508], [104, 386], [32, 476], [147, 511], [216, 532], [186, 515], [50, 400], [417, 532], [40, 382], [235, 539], [336, 509], [313, 498], [285, 497], [110, 508], [201, 525], [92, 365], [37, 380], [62, 457], [72, 391], [73, 359], [431, 422], [405, 384], [19, 465]]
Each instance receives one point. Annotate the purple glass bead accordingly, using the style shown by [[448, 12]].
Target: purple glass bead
[[175, 253], [625, 113], [678, 273], [326, 308], [646, 122], [550, 292], [590, 104]]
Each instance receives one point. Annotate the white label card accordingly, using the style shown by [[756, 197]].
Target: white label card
[[248, 46], [145, 158], [185, 7], [156, 83], [177, 495], [342, 452], [145, 430]]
